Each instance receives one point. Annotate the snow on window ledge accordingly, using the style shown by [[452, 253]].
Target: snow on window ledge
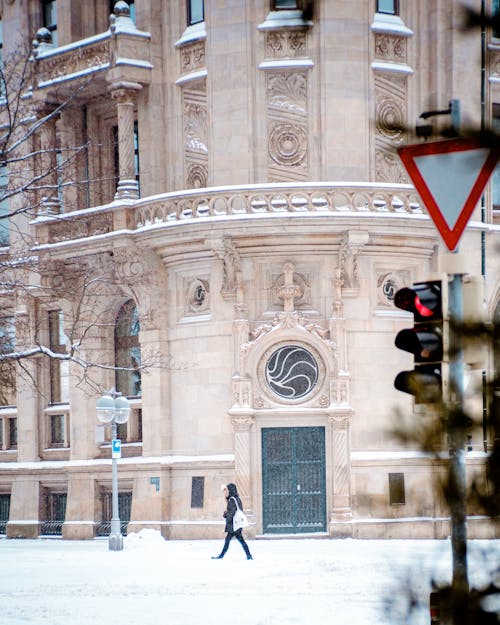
[[390, 24], [196, 32], [284, 19]]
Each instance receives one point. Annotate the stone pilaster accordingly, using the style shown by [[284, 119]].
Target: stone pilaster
[[242, 426], [341, 513], [24, 513], [79, 521]]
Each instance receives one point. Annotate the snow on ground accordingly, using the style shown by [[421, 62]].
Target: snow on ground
[[289, 582]]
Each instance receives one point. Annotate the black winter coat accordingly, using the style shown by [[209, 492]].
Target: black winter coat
[[231, 507]]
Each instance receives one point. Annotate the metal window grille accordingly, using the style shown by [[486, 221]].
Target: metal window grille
[[55, 507], [4, 512], [197, 492], [124, 509], [397, 489]]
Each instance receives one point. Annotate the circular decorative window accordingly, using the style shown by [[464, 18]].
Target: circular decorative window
[[291, 372]]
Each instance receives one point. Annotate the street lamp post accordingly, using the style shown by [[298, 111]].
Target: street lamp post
[[113, 409]]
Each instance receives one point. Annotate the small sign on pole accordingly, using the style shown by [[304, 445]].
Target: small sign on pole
[[116, 448], [450, 177]]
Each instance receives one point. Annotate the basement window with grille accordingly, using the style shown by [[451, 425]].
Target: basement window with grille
[[397, 489], [197, 492]]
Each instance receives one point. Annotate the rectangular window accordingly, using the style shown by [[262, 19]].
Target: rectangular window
[[281, 5], [197, 492], [391, 7], [57, 345], [495, 179], [57, 429], [495, 9], [12, 433], [50, 18], [195, 12], [1, 48], [4, 207], [7, 367], [396, 488]]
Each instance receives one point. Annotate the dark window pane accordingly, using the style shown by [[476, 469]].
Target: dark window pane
[[12, 433], [197, 492], [127, 350], [396, 488], [285, 4], [195, 11], [387, 6], [495, 8], [57, 422]]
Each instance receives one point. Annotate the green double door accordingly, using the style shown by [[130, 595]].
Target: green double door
[[293, 474]]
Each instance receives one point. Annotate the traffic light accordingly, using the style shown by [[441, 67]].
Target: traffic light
[[427, 340]]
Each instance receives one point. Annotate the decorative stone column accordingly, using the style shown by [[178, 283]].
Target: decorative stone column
[[341, 514], [125, 94], [242, 425]]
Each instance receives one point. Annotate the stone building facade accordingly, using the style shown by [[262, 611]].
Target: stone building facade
[[241, 188]]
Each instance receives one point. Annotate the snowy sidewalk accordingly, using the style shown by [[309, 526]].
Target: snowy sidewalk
[[290, 582]]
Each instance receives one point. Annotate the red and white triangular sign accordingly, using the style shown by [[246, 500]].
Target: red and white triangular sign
[[450, 177]]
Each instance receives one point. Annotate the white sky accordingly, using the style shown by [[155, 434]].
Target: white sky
[[292, 582]]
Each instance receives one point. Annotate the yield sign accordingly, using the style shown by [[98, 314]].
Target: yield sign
[[450, 177]]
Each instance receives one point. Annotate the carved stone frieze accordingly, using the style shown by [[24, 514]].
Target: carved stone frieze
[[78, 61], [289, 320], [192, 57], [287, 92], [68, 229], [286, 44], [390, 47]]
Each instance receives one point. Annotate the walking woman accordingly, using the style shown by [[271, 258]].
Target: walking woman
[[232, 498]]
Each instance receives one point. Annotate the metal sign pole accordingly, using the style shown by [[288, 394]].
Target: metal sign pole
[[457, 439]]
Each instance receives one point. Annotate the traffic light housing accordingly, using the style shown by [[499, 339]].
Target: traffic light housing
[[427, 340]]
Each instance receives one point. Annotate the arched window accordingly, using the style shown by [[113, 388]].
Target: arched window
[[128, 350]]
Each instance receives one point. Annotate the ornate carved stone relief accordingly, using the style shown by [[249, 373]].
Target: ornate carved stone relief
[[494, 61], [226, 251], [198, 296], [390, 103], [290, 289], [192, 57], [350, 248], [286, 44], [391, 119], [390, 47], [388, 282], [287, 126], [195, 135], [387, 285], [193, 291]]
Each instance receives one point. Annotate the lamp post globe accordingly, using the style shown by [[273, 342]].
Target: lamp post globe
[[113, 409]]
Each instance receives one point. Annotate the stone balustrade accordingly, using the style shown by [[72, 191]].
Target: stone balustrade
[[229, 202], [278, 198]]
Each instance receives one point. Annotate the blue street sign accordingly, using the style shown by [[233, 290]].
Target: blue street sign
[[116, 448]]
